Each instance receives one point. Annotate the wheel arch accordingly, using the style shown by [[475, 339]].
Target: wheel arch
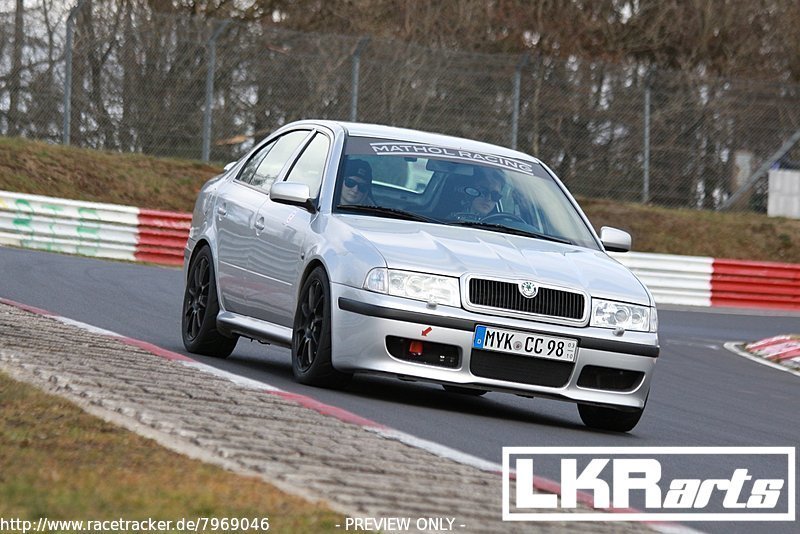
[[200, 245], [313, 264], [203, 243]]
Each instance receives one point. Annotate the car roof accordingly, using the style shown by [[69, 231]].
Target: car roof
[[362, 129]]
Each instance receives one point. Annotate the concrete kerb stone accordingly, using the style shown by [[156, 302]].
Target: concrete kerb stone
[[251, 432]]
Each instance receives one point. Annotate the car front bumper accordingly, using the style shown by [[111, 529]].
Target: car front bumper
[[362, 321]]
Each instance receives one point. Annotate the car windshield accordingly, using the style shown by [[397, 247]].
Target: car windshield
[[440, 185]]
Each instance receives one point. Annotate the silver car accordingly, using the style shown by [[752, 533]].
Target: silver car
[[373, 249]]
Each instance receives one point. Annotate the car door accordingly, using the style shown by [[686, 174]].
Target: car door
[[276, 256], [235, 208], [237, 205]]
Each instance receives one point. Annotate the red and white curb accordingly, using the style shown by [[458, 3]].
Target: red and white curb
[[779, 352], [442, 451]]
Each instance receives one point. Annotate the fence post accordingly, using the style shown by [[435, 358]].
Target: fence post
[[646, 181], [212, 67], [356, 68], [65, 131], [523, 61]]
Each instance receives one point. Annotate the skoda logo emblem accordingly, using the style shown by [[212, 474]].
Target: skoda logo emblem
[[528, 289]]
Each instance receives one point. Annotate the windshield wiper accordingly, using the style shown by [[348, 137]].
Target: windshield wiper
[[509, 230], [390, 212]]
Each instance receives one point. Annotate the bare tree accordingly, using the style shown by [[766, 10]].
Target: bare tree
[[43, 115]]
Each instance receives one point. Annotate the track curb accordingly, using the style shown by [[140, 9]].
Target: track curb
[[443, 452]]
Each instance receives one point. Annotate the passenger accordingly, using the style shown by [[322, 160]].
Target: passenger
[[482, 195], [357, 183]]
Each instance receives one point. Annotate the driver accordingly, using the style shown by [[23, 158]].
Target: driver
[[357, 183], [483, 194]]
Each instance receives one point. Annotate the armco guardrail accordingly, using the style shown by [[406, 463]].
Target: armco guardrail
[[93, 229], [672, 279], [134, 234], [750, 283], [703, 281]]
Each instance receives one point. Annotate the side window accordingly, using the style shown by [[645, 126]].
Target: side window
[[249, 170], [310, 165], [270, 167]]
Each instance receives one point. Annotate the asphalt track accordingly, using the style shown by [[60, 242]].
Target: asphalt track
[[702, 395]]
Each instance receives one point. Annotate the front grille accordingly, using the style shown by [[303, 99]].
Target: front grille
[[506, 296], [521, 369]]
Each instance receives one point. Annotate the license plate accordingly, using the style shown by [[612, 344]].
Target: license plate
[[525, 344]]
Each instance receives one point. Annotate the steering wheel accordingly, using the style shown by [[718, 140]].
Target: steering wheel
[[498, 217]]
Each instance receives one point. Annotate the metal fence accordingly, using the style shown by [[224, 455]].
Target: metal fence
[[192, 88]]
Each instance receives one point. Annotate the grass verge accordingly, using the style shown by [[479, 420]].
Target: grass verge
[[59, 462]]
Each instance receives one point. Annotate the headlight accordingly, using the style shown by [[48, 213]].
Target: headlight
[[608, 314], [417, 286]]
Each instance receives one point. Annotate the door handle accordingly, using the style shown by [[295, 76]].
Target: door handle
[[222, 210], [259, 224]]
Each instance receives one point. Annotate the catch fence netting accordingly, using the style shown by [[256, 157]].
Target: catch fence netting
[[140, 82]]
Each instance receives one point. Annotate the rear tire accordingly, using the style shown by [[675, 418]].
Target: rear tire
[[311, 335], [609, 418], [469, 392], [200, 310]]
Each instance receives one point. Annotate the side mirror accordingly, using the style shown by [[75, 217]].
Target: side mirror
[[229, 166], [292, 193], [615, 240]]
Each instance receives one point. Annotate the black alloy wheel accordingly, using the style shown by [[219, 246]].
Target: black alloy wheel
[[312, 315], [200, 309], [311, 336], [196, 298]]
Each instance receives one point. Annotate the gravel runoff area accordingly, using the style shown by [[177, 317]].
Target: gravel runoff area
[[357, 470]]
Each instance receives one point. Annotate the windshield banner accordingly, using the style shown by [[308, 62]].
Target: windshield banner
[[423, 150]]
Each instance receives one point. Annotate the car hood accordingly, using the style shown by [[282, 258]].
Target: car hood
[[454, 251]]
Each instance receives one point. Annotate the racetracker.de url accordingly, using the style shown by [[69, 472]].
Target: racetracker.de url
[[197, 524]]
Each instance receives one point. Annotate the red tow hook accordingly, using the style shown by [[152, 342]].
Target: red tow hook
[[415, 348]]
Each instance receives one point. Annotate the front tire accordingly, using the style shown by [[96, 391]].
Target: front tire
[[311, 335], [608, 418], [200, 310]]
